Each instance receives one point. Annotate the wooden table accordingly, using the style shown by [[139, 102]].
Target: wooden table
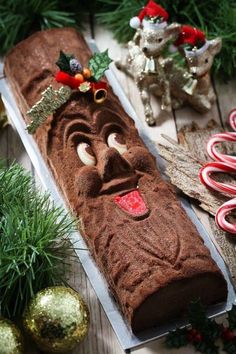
[[101, 338]]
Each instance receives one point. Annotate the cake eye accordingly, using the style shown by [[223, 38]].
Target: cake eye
[[116, 140], [86, 154]]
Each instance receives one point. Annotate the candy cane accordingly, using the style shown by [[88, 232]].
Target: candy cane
[[224, 163], [211, 167], [216, 139], [232, 119], [222, 212]]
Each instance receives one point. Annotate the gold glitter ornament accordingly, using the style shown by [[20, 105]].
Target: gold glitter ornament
[[11, 340], [57, 319]]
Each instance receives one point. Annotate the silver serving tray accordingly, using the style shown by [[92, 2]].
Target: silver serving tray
[[127, 339]]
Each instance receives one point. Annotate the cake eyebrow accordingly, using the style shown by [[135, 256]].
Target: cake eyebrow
[[104, 117], [78, 125]]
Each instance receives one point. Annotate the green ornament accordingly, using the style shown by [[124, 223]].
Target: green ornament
[[11, 340], [99, 63], [57, 319]]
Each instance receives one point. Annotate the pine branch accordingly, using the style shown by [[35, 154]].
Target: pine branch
[[34, 244], [19, 18]]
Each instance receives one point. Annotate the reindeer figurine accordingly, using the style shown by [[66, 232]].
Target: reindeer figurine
[[144, 62], [194, 86]]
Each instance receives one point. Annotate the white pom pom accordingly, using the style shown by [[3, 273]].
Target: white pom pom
[[172, 48], [134, 22]]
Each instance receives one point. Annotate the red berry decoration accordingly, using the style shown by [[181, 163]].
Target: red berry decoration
[[79, 78], [198, 338], [190, 337], [194, 336], [211, 331], [227, 334]]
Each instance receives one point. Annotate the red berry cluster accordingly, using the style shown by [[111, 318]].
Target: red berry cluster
[[73, 81], [227, 334], [194, 336]]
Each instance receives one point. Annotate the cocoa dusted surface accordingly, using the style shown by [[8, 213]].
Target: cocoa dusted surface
[[155, 264]]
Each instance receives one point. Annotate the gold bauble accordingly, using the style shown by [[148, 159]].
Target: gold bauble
[[57, 319], [11, 340]]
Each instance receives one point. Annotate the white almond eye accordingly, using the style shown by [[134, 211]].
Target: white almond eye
[[86, 154], [116, 141]]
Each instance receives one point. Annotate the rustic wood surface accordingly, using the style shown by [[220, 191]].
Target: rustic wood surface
[[101, 338]]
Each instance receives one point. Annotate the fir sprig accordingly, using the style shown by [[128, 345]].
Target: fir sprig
[[19, 18], [217, 19], [33, 241]]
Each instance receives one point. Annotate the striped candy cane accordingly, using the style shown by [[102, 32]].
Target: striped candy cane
[[221, 214], [224, 163], [208, 169], [232, 119], [219, 138]]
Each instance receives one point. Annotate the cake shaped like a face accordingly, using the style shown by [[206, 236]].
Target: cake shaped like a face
[[149, 251], [132, 221]]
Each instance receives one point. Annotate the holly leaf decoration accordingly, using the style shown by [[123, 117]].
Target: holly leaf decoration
[[229, 347], [64, 62], [99, 63], [205, 332], [197, 316], [199, 320], [177, 338], [206, 347]]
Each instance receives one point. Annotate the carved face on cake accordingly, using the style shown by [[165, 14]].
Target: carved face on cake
[[109, 158]]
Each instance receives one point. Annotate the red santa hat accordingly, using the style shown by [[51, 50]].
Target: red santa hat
[[190, 35], [193, 37], [150, 10]]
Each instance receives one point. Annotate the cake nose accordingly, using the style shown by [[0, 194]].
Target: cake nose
[[113, 165]]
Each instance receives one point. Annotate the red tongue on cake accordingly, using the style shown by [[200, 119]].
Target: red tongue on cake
[[132, 203]]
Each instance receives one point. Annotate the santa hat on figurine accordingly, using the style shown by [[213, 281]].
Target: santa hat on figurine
[[152, 16], [193, 38]]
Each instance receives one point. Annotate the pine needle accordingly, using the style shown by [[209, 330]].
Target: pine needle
[[19, 18], [34, 246]]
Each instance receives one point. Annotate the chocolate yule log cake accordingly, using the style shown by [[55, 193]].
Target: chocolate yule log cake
[[150, 253]]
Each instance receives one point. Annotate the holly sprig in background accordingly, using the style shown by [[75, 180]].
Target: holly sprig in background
[[204, 332]]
